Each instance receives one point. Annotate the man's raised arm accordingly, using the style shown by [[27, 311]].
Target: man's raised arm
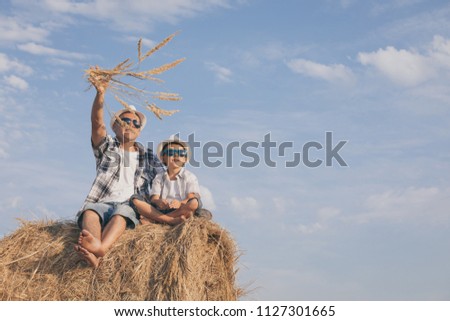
[[97, 113]]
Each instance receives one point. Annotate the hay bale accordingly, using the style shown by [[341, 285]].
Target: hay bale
[[193, 261]]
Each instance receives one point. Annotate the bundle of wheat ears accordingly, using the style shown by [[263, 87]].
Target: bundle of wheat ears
[[124, 92]]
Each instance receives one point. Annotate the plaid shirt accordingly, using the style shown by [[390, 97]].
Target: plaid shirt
[[107, 157]]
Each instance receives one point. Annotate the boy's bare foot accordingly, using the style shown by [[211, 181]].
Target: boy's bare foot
[[175, 220], [90, 258], [91, 243], [184, 211]]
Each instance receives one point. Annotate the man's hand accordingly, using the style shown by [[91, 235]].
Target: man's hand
[[100, 82]]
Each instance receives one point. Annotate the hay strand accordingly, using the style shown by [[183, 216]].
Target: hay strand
[[192, 261]]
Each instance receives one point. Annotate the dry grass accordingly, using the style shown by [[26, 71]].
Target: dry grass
[[119, 79], [193, 261]]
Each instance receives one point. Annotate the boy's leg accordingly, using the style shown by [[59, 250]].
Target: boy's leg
[[142, 207], [186, 210], [150, 213]]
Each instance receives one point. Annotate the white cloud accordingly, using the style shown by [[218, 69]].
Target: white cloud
[[222, 74], [246, 207], [328, 213], [275, 51], [280, 205], [7, 64], [309, 228], [323, 218], [332, 73], [3, 153], [401, 66], [410, 67], [207, 198], [440, 51], [422, 205], [12, 29], [270, 52], [135, 15], [16, 82], [41, 50], [382, 7], [283, 205], [43, 212], [146, 43]]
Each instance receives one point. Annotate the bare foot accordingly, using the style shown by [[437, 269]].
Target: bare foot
[[175, 220], [90, 258], [91, 243], [184, 211]]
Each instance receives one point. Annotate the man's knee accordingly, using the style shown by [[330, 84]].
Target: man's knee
[[90, 215], [118, 218]]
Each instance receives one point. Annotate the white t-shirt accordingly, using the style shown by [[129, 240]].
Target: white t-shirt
[[124, 187], [178, 189]]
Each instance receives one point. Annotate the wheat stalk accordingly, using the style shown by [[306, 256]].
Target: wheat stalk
[[166, 96], [154, 49], [139, 44], [117, 83], [160, 112]]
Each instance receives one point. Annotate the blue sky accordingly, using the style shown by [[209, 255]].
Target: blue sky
[[373, 73]]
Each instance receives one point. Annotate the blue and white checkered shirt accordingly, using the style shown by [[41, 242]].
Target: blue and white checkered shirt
[[107, 157]]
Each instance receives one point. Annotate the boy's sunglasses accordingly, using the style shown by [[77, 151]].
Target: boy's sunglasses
[[173, 152], [128, 121]]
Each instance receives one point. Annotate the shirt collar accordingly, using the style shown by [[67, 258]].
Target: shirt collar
[[139, 146], [181, 174]]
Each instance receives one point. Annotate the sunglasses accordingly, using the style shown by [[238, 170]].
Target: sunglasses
[[128, 121], [174, 152]]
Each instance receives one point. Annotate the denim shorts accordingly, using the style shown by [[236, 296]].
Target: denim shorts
[[107, 210]]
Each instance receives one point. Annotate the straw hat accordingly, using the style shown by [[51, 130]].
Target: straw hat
[[173, 139], [131, 109]]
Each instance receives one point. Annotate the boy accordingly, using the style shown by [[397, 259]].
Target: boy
[[175, 192]]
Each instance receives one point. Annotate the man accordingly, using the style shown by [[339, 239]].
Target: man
[[124, 168]]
